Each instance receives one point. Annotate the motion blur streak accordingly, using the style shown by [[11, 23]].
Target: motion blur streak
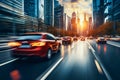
[[98, 67]]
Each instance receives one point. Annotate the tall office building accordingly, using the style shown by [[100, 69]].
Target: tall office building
[[116, 14], [85, 24], [56, 3], [58, 15], [74, 22], [116, 10], [31, 8], [108, 11], [98, 13], [11, 16], [90, 26], [41, 9], [49, 12], [69, 28]]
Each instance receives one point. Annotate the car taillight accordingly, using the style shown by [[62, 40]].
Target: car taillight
[[14, 44], [34, 44]]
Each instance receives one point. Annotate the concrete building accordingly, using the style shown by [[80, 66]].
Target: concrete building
[[66, 22], [78, 25], [69, 27], [74, 22], [85, 25], [49, 12], [90, 25], [11, 16]]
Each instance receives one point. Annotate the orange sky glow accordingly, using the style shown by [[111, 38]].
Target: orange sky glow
[[78, 6]]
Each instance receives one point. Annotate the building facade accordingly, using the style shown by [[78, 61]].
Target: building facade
[[116, 10], [41, 9], [31, 10], [98, 13], [11, 16], [74, 22], [112, 13], [85, 25], [90, 25], [108, 11], [49, 12], [58, 16]]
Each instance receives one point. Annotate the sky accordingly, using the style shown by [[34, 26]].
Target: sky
[[78, 6]]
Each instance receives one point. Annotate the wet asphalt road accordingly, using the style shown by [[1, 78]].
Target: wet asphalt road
[[78, 63]]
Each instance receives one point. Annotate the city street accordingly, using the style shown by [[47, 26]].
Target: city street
[[82, 60], [59, 39]]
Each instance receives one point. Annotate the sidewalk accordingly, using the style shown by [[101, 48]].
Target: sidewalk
[[114, 43]]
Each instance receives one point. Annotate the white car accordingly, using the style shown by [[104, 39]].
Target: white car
[[101, 40]]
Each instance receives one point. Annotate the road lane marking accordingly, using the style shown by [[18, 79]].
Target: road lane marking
[[2, 64], [114, 44], [98, 67], [47, 72], [98, 60]]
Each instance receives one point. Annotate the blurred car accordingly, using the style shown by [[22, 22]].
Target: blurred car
[[59, 39], [75, 38], [66, 40], [101, 40], [82, 39], [35, 44], [90, 38]]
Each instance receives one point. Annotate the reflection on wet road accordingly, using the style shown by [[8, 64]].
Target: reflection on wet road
[[110, 57], [79, 64]]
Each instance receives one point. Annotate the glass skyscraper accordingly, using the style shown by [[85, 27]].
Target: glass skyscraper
[[11, 16], [49, 12]]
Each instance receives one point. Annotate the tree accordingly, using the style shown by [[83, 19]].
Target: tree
[[104, 29]]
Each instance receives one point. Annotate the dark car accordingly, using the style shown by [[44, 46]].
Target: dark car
[[75, 38], [66, 40], [82, 39], [101, 40], [35, 44]]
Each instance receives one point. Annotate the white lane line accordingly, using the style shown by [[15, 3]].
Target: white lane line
[[114, 44], [98, 67], [47, 73], [98, 60], [2, 64], [90, 47]]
